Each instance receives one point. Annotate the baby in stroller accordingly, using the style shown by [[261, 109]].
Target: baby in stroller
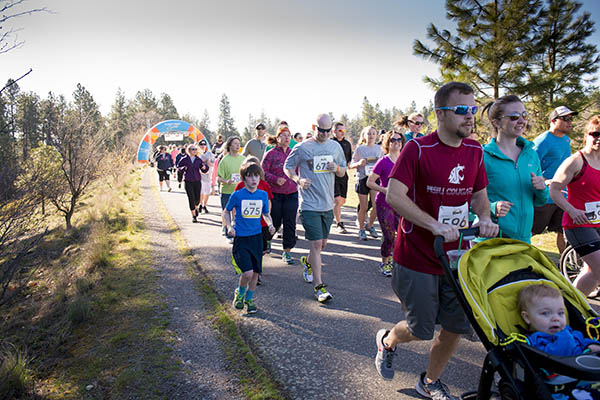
[[542, 307]]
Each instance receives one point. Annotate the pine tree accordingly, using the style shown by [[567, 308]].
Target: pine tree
[[167, 108], [226, 122], [369, 116], [118, 118], [562, 60], [28, 121], [489, 48]]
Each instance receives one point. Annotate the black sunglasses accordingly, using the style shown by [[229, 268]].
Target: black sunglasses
[[515, 116], [323, 130], [595, 134], [566, 118], [396, 140], [418, 123]]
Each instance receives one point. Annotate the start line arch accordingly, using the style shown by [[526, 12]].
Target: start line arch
[[168, 126]]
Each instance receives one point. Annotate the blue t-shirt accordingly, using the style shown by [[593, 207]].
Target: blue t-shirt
[[249, 207], [410, 135], [552, 151]]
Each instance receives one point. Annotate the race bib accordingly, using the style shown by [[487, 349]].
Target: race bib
[[593, 207], [251, 208], [236, 178], [456, 216], [369, 169], [320, 164]]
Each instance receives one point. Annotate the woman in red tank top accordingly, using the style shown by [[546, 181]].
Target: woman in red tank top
[[580, 174]]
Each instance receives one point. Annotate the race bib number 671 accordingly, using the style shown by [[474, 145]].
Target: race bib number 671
[[251, 208], [457, 216], [320, 163]]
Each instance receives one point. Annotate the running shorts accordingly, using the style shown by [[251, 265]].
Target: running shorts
[[584, 240]]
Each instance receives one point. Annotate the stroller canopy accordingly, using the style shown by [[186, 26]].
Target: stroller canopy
[[493, 272]]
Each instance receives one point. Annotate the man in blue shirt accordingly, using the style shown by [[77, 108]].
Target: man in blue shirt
[[553, 147]]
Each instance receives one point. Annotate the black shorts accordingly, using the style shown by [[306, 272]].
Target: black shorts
[[163, 175], [584, 240], [340, 187], [247, 252], [361, 186], [548, 215]]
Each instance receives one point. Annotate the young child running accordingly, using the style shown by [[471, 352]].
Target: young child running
[[249, 204]]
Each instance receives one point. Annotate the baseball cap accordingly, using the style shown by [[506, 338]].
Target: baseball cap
[[260, 125], [561, 111]]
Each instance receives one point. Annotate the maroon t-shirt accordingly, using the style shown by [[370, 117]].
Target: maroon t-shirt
[[437, 176]]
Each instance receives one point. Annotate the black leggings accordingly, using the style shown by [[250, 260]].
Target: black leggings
[[193, 193], [283, 210]]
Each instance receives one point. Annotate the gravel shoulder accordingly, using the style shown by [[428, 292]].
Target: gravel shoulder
[[204, 374]]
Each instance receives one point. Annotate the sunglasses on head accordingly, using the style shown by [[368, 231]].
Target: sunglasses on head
[[566, 118], [515, 116], [396, 140], [418, 123], [323, 130], [595, 134], [461, 110]]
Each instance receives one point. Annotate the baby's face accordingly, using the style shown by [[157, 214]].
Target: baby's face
[[547, 314]]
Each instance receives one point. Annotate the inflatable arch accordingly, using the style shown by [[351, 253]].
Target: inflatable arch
[[169, 126]]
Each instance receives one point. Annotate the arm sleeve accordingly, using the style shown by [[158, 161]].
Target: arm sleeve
[[265, 209], [540, 197], [378, 168], [356, 155], [231, 203], [340, 158], [266, 165], [221, 169], [293, 159], [245, 151], [481, 181]]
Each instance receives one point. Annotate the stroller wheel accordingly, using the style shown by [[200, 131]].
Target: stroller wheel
[[507, 391]]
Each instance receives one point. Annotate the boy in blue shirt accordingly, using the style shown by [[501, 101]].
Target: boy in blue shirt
[[249, 204]]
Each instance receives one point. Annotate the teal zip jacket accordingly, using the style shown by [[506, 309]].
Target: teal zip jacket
[[510, 181]]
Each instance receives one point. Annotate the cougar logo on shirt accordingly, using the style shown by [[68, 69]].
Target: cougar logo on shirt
[[456, 175]]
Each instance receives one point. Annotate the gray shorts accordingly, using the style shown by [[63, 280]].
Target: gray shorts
[[428, 300], [585, 240]]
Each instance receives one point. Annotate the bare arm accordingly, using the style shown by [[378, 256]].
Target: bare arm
[[372, 183], [481, 206], [564, 174], [227, 218]]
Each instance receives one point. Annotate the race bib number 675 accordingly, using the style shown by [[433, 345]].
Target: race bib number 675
[[251, 208], [457, 216], [320, 163]]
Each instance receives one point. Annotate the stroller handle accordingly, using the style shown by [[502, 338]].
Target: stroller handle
[[438, 243]]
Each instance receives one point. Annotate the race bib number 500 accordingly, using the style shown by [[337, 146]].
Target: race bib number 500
[[456, 216], [320, 163], [251, 208]]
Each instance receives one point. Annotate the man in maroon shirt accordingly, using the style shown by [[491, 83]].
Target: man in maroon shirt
[[434, 182]]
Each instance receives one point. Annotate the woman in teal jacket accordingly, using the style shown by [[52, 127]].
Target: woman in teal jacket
[[513, 169]]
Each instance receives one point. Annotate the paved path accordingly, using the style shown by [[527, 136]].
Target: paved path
[[322, 351]]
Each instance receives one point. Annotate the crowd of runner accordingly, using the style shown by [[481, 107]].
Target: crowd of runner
[[417, 186]]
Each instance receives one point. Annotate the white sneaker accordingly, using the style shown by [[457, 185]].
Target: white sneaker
[[322, 294], [308, 276]]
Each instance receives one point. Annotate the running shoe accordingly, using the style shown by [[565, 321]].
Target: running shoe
[[384, 269], [238, 300], [169, 190], [268, 249], [179, 185], [224, 231], [384, 357], [259, 281], [250, 306], [341, 228], [308, 276], [373, 232], [434, 390], [362, 235], [322, 294], [389, 268], [287, 257], [194, 219], [229, 240], [205, 210]]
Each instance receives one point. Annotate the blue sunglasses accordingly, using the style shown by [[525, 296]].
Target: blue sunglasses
[[461, 110]]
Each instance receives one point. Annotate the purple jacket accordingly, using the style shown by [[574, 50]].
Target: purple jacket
[[192, 170], [273, 166]]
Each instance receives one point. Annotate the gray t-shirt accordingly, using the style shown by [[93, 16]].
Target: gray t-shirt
[[371, 154], [311, 158], [255, 148]]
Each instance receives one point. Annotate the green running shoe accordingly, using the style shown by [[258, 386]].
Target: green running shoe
[[238, 300], [250, 306]]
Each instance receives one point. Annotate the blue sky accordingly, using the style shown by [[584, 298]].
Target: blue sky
[[292, 59]]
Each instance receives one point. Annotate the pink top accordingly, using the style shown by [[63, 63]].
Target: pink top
[[272, 164], [584, 189]]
